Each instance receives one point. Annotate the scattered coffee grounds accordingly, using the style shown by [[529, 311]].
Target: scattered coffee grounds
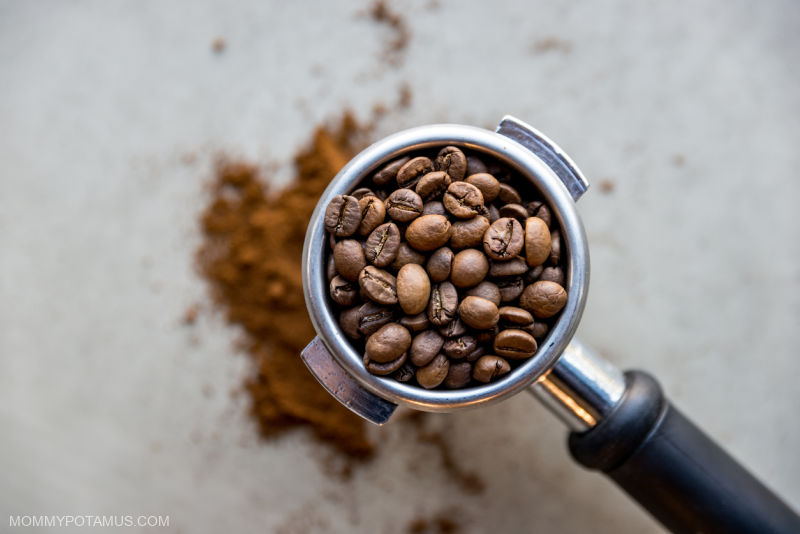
[[396, 45], [445, 268], [440, 523], [251, 257]]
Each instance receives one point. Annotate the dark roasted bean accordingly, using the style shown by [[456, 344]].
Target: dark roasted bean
[[409, 174], [510, 287], [454, 328], [349, 322], [382, 245], [428, 232], [478, 312], [469, 232], [389, 172], [489, 367], [371, 317], [543, 299], [404, 205], [362, 192], [458, 376], [384, 368], [342, 216], [434, 373], [512, 315], [537, 241], [514, 344], [344, 292], [508, 195], [463, 200], [378, 285], [424, 347], [405, 373], [415, 323], [533, 274], [459, 347], [452, 161], [504, 239], [487, 184], [553, 274], [348, 255], [389, 342], [469, 268], [512, 267], [406, 255], [440, 264], [443, 304], [515, 211], [373, 212], [432, 185], [475, 165], [413, 288], [555, 247], [539, 209], [434, 207], [487, 290]]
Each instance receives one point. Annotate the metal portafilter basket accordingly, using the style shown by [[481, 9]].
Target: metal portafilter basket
[[620, 423]]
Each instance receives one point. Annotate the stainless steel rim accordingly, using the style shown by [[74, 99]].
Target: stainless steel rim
[[315, 284]]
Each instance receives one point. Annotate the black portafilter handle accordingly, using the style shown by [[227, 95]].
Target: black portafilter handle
[[679, 475]]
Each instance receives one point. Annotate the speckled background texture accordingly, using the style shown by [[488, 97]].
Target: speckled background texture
[[687, 113]]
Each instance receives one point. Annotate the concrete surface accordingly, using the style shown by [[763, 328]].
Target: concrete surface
[[108, 405]]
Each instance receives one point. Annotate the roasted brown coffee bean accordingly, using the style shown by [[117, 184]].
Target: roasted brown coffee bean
[[459, 347], [486, 336], [410, 173], [553, 274], [533, 274], [348, 255], [404, 205], [382, 245], [489, 367], [443, 304], [487, 184], [537, 208], [440, 264], [510, 287], [378, 285], [478, 312], [469, 268], [383, 369], [487, 290], [463, 200], [434, 373], [413, 288], [508, 195], [512, 267], [514, 344], [382, 194], [494, 213], [388, 343], [469, 232], [362, 192], [371, 317], [475, 165], [504, 239], [415, 323], [515, 211], [539, 330], [344, 292], [432, 185], [424, 347], [342, 216], [512, 315], [452, 161], [389, 172], [406, 255], [372, 213], [458, 376], [475, 354], [405, 373], [428, 232], [330, 268], [454, 328], [498, 170], [555, 247], [348, 322], [434, 207], [537, 241], [543, 299]]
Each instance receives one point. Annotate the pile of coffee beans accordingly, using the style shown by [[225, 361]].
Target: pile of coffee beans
[[445, 270]]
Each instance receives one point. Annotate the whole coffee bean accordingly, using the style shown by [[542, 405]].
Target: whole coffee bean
[[415, 323], [413, 288], [487, 336], [458, 376], [371, 317], [463, 200], [515, 211], [386, 368], [432, 185], [494, 213], [533, 274], [543, 299], [469, 268], [378, 285], [443, 304], [514, 316], [504, 239], [330, 268], [342, 216], [487, 290], [434, 207], [382, 194], [454, 328], [452, 161], [362, 192], [424, 347], [389, 172], [553, 274], [348, 322], [388, 343], [539, 330], [404, 205], [489, 367], [473, 356], [440, 264], [410, 173], [514, 344], [428, 232], [405, 373], [459, 347], [478, 312], [508, 195], [434, 373], [499, 171], [406, 255], [475, 165], [344, 292], [512, 267], [348, 255], [510, 287], [382, 245], [469, 232], [537, 208], [486, 183], [537, 241], [372, 213], [555, 247]]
